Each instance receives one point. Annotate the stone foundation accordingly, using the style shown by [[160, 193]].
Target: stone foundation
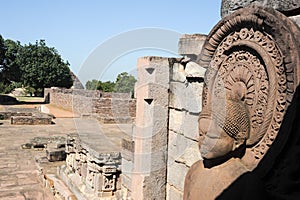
[[26, 116], [30, 120]]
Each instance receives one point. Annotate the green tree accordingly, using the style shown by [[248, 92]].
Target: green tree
[[2, 57], [43, 67], [2, 52], [12, 71], [91, 85], [125, 83], [107, 86], [9, 69]]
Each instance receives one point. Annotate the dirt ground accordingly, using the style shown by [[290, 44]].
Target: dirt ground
[[19, 169]]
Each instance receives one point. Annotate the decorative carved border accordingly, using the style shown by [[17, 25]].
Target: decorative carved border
[[265, 42]]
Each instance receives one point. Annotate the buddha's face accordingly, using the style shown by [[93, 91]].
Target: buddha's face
[[213, 142], [223, 127]]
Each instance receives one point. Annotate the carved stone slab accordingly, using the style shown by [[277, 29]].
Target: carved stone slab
[[288, 7], [252, 58]]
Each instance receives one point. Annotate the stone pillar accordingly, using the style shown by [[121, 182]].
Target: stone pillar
[[157, 158], [150, 135]]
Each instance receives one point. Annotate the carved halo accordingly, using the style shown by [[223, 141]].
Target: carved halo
[[252, 52]]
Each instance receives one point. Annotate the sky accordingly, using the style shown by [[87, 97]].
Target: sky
[[100, 38]]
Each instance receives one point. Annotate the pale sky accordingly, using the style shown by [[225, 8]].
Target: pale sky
[[106, 37]]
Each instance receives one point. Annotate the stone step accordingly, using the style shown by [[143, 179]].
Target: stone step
[[58, 187]]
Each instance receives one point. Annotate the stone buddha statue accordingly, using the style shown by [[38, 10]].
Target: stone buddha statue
[[251, 58], [224, 128]]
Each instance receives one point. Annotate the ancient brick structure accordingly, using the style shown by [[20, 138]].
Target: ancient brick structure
[[157, 157], [106, 107], [233, 113], [252, 59], [26, 116]]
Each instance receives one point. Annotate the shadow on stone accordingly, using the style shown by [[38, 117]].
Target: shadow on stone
[[9, 100], [238, 153], [277, 175]]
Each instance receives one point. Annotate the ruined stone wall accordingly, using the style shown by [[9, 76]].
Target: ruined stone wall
[[164, 143], [184, 84], [107, 107], [114, 106]]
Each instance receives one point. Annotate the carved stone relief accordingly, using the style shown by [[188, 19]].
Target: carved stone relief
[[251, 58], [289, 7], [98, 171]]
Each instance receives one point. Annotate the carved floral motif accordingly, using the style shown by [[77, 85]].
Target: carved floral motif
[[250, 59]]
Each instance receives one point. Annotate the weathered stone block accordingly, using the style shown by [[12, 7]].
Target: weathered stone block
[[176, 120], [193, 70], [126, 181], [127, 149], [173, 193], [191, 45], [152, 92], [184, 123], [186, 97], [176, 175], [155, 187], [178, 73], [127, 167], [151, 134], [153, 69], [182, 149], [56, 154]]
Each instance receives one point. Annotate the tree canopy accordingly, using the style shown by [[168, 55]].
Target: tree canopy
[[35, 66], [124, 83], [43, 67]]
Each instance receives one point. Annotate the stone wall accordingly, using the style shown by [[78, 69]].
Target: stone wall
[[164, 143], [184, 109], [26, 116], [31, 120], [107, 107]]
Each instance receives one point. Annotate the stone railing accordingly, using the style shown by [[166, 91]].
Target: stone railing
[[92, 173]]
